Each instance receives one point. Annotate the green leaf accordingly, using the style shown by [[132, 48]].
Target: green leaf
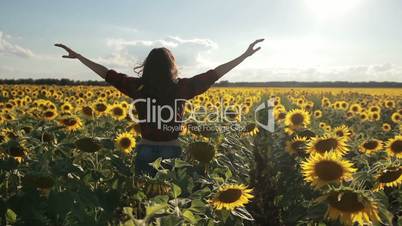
[[11, 217], [242, 213], [178, 163], [154, 209], [197, 206], [189, 216], [157, 163], [176, 191]]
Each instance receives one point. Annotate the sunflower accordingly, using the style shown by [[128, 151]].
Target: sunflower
[[364, 116], [250, 129], [201, 151], [317, 114], [328, 128], [374, 116], [394, 146], [279, 114], [371, 146], [71, 123], [66, 107], [350, 207], [389, 177], [87, 111], [296, 119], [350, 114], [16, 149], [231, 196], [118, 112], [88, 144], [342, 132], [125, 141], [389, 104], [49, 115], [100, 108], [308, 134], [327, 143], [296, 146], [320, 170], [386, 127], [396, 117]]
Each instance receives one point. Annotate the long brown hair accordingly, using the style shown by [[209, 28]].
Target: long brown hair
[[158, 72]]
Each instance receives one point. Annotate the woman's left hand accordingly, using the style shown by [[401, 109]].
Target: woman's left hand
[[250, 50]]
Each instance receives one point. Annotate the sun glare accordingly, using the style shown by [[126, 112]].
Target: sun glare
[[326, 9]]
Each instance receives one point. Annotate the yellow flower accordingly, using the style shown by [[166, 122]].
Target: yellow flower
[[296, 146], [386, 127], [125, 141], [327, 143], [396, 117], [296, 119], [390, 177], [100, 108], [342, 132], [49, 114], [350, 207], [66, 107], [201, 151], [71, 123], [394, 146], [118, 112], [317, 114], [371, 146], [250, 129], [320, 170], [231, 196]]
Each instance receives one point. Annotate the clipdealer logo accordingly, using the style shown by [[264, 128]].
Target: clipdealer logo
[[163, 114]]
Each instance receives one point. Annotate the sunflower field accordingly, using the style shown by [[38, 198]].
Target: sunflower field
[[334, 158]]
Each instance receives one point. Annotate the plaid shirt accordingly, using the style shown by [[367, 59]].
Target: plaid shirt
[[187, 89]]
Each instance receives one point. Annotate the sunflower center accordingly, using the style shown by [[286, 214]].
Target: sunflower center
[[70, 122], [326, 145], [346, 202], [390, 176], [49, 114], [87, 110], [249, 127], [396, 146], [16, 151], [125, 142], [118, 111], [339, 133], [370, 145], [297, 119], [298, 145], [282, 115], [230, 195], [328, 170], [101, 107]]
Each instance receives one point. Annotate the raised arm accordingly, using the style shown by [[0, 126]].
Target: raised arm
[[97, 68], [225, 68], [202, 82]]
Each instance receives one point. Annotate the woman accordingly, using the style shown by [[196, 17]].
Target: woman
[[159, 86]]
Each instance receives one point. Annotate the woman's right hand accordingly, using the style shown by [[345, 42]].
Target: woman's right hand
[[71, 53]]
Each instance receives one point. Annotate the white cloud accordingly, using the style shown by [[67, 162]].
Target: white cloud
[[189, 53], [10, 49], [355, 73]]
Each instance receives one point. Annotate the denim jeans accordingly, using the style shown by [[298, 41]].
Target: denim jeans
[[147, 153]]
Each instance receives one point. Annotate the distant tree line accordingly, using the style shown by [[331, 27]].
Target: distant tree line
[[65, 82]]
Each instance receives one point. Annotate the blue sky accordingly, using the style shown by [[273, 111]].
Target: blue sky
[[306, 40]]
